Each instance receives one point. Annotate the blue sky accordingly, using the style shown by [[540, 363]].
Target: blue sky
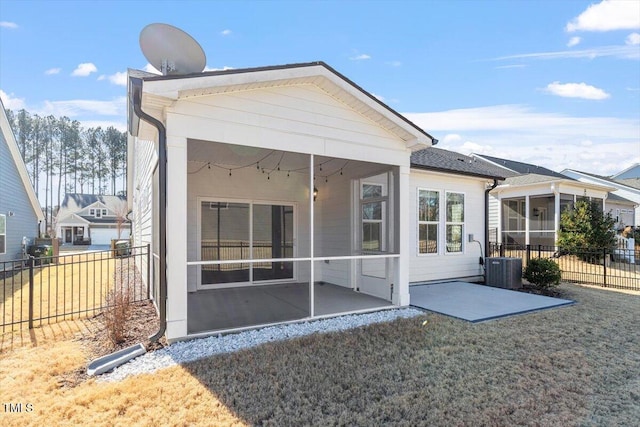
[[555, 83]]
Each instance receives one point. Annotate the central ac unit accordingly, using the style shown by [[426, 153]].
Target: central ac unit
[[504, 272]]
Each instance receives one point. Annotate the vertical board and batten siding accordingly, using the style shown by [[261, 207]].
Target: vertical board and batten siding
[[431, 267], [494, 213], [301, 118], [14, 198], [145, 160]]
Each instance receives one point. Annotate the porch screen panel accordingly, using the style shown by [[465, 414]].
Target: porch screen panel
[[225, 236], [272, 238]]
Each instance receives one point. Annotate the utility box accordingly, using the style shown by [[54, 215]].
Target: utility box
[[503, 272]]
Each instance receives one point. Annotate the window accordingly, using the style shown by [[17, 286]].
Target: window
[[372, 217], [92, 212], [428, 218], [104, 212], [454, 226], [3, 234], [98, 213]]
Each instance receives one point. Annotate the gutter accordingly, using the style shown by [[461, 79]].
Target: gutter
[[136, 87], [486, 217]]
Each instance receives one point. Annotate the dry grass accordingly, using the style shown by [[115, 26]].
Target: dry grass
[[577, 365]]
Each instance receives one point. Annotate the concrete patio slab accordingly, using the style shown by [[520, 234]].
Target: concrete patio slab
[[477, 303]]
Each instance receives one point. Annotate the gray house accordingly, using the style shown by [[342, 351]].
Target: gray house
[[20, 212]]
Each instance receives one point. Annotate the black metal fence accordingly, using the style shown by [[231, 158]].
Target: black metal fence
[[41, 290], [617, 268]]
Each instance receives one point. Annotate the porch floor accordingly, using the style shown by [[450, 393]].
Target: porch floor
[[219, 309]]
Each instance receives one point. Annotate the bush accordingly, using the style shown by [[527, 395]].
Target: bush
[[543, 273], [116, 314]]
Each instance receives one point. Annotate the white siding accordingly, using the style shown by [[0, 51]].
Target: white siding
[[430, 267], [145, 160], [302, 119]]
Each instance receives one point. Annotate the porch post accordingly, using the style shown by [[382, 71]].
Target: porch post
[[176, 234], [556, 215], [526, 220], [311, 243], [401, 280]]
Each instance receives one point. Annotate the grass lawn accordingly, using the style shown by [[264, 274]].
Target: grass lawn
[[577, 365]]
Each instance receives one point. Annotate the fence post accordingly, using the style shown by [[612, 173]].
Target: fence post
[[149, 259], [604, 265], [30, 264], [539, 251], [502, 250], [528, 257]]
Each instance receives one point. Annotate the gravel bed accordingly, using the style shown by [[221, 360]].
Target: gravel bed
[[188, 351]]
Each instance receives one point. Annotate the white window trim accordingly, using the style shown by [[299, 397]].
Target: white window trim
[[384, 198], [446, 223], [438, 223], [4, 250], [92, 212]]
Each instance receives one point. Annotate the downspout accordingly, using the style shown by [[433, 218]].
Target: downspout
[[486, 217], [162, 208]]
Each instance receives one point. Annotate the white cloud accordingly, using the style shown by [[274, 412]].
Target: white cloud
[[607, 16], [360, 57], [378, 97], [7, 24], [225, 32], [395, 63], [552, 140], [451, 138], [119, 78], [576, 90], [84, 69], [52, 71], [10, 102], [225, 68], [623, 52], [510, 66], [574, 41], [633, 39]]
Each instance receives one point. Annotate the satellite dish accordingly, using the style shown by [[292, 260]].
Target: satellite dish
[[171, 50]]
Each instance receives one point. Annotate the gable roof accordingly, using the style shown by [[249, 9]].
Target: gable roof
[[440, 160], [629, 169], [174, 87], [75, 202], [519, 167], [9, 137], [628, 182]]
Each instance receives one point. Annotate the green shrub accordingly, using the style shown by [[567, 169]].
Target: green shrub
[[543, 273]]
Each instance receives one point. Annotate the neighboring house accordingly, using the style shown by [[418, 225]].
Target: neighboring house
[[627, 188], [92, 219], [20, 212], [525, 209], [293, 186]]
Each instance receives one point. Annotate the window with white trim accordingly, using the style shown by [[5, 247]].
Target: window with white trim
[[454, 224], [3, 234], [104, 212], [98, 213], [92, 212], [428, 221], [372, 217]]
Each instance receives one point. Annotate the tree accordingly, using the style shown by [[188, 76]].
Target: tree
[[586, 227]]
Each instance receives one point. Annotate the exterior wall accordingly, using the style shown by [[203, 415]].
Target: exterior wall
[[623, 213], [144, 162], [633, 172], [14, 198], [494, 218], [442, 266]]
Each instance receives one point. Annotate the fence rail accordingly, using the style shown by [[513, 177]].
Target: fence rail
[[41, 290], [617, 268]]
